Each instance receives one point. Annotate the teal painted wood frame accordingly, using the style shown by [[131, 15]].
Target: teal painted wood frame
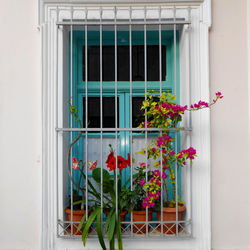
[[123, 87]]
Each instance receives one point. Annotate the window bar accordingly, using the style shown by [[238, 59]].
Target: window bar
[[57, 205], [190, 115], [116, 112], [160, 79], [96, 23], [86, 111], [131, 132], [71, 118], [101, 118], [145, 76], [176, 142], [121, 129]]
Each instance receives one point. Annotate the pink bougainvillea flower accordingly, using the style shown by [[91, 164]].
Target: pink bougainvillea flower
[[172, 152], [142, 182], [92, 164], [219, 95], [148, 124], [164, 176]]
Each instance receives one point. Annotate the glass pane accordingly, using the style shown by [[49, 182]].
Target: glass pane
[[108, 63], [108, 113], [137, 113]]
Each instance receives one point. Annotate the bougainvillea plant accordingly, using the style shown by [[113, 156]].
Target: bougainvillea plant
[[163, 112]]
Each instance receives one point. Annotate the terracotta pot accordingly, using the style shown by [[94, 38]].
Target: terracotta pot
[[140, 228], [77, 216], [169, 214]]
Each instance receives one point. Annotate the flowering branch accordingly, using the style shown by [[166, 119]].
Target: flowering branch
[[165, 113]]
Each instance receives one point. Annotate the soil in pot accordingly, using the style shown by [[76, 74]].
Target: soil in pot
[[140, 228], [77, 216], [169, 214]]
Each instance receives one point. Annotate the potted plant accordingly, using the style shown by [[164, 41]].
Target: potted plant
[[163, 112], [78, 197], [111, 204], [133, 199]]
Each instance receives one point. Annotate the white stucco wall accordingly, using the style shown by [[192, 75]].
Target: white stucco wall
[[20, 126], [20, 129], [230, 126]]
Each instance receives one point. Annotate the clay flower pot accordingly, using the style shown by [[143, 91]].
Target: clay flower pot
[[77, 216], [169, 214], [140, 228]]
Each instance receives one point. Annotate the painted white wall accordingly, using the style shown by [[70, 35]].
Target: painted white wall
[[20, 131], [230, 126]]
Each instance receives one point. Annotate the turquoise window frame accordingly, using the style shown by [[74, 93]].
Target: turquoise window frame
[[123, 87]]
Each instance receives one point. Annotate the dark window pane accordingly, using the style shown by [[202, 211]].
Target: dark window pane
[[108, 109], [108, 63], [137, 113]]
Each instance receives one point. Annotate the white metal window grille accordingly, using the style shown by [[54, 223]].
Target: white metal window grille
[[57, 20], [144, 18]]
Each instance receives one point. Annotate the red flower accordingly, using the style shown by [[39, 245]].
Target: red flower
[[122, 163], [111, 161]]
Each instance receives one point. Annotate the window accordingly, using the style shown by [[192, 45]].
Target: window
[[120, 66], [65, 52]]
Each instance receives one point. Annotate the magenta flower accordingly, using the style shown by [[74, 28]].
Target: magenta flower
[[142, 182], [172, 152]]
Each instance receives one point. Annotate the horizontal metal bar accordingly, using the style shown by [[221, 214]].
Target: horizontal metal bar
[[111, 22], [136, 222], [124, 1], [120, 129]]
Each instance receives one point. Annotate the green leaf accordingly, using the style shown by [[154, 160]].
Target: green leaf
[[111, 228], [96, 174], [99, 230], [142, 152], [81, 223], [119, 234], [112, 244], [78, 202], [109, 219], [88, 224]]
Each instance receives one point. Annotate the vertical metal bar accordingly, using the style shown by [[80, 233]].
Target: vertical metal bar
[[116, 119], [56, 125], [175, 92], [101, 117], [190, 115], [71, 117], [160, 80], [131, 132], [146, 118], [86, 110]]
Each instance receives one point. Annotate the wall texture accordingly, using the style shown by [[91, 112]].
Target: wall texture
[[20, 129], [230, 126], [20, 126]]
